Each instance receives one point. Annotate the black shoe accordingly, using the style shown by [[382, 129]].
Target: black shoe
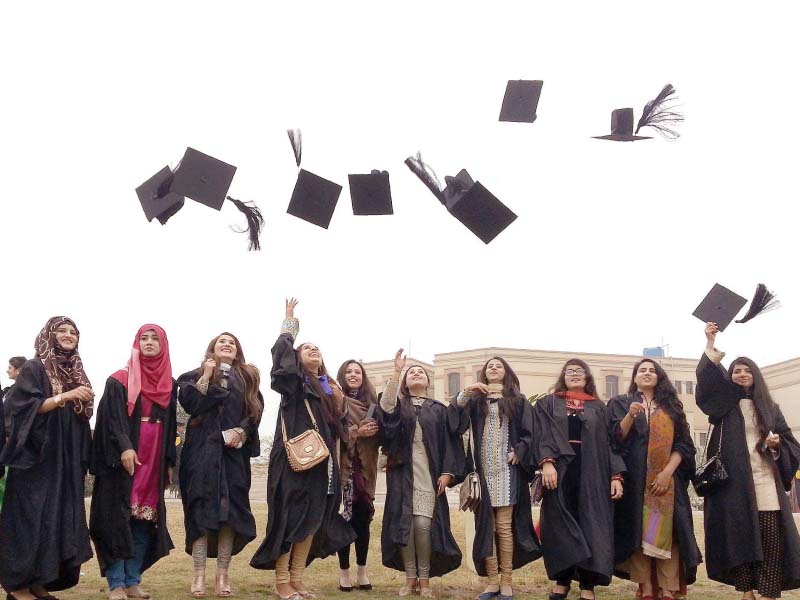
[[365, 586], [345, 589], [488, 595], [558, 595]]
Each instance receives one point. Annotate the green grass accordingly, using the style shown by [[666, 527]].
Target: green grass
[[170, 578]]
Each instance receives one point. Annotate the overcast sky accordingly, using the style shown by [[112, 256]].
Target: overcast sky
[[615, 244]]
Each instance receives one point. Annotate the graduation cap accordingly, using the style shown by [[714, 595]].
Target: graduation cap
[[467, 200], [520, 101], [314, 198], [371, 193], [658, 113], [721, 305], [202, 178]]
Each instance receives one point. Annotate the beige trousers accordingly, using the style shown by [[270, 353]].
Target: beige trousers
[[667, 569], [504, 547], [298, 553]]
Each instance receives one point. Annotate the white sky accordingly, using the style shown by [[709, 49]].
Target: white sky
[[614, 246]]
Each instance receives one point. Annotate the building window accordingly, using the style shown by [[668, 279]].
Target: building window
[[679, 387], [453, 384], [702, 438], [612, 386], [478, 375], [690, 387]]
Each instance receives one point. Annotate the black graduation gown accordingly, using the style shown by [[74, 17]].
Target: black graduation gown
[[445, 455], [732, 533], [520, 435], [628, 509], [588, 542], [110, 513], [43, 535], [298, 503], [215, 479]]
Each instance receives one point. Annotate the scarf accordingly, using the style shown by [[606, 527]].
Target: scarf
[[150, 376], [575, 400], [64, 368], [657, 515]]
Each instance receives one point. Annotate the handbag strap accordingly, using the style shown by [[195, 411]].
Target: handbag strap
[[708, 441], [310, 414]]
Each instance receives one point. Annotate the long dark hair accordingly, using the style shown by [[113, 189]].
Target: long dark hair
[[330, 411], [511, 391], [17, 361], [404, 400], [366, 393], [762, 400], [249, 374], [664, 394], [561, 383]]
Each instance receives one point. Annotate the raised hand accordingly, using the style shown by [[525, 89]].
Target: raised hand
[[399, 361], [290, 304], [477, 387], [208, 368], [711, 334]]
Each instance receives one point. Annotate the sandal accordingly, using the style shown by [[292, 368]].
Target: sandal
[[136, 592], [222, 585], [198, 588]]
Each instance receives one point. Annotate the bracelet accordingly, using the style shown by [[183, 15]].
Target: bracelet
[[59, 400]]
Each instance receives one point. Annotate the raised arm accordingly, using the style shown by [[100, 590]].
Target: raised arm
[[390, 394], [716, 394], [286, 375]]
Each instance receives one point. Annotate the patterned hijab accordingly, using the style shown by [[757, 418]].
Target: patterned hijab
[[64, 367]]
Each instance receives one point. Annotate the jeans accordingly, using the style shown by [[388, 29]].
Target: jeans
[[127, 573]]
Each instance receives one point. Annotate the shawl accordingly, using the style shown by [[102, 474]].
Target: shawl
[[657, 510], [149, 375]]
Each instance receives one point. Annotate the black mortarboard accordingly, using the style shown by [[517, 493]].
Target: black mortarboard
[[720, 306], [203, 178], [314, 198], [157, 199], [467, 200], [371, 193], [520, 101], [656, 114]]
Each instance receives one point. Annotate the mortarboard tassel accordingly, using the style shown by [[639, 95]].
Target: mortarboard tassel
[[426, 175], [763, 301], [296, 139], [659, 116], [255, 221]]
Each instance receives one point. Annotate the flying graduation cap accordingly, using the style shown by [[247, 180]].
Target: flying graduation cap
[[658, 113], [520, 101], [371, 193], [314, 198], [721, 305], [203, 179], [467, 200]]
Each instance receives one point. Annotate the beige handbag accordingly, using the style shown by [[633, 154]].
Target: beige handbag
[[306, 450], [469, 496]]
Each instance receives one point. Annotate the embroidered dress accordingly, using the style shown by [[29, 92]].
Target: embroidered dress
[[147, 476], [501, 480], [763, 477], [424, 496]]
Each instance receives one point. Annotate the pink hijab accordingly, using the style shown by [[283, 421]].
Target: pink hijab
[[149, 375]]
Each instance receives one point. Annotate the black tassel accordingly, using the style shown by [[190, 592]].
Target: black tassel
[[255, 221], [426, 175], [296, 139], [659, 116], [763, 301]]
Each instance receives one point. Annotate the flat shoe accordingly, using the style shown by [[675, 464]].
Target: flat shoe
[[136, 592], [118, 594], [343, 588], [365, 586], [404, 591], [502, 597], [558, 595], [488, 595]]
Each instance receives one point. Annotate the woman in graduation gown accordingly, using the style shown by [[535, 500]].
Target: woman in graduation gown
[[132, 459], [224, 407], [43, 535], [359, 468], [303, 520], [425, 456], [500, 421], [581, 479], [751, 536], [653, 529]]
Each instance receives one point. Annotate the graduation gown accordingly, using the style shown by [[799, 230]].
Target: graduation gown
[[445, 455], [732, 532], [628, 510], [520, 437], [298, 502], [215, 479], [589, 541], [110, 513], [43, 535]]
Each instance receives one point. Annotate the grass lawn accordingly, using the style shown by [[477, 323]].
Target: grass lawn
[[170, 578]]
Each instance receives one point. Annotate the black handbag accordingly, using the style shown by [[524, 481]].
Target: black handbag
[[711, 475]]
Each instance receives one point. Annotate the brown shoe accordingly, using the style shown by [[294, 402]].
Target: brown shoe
[[222, 585], [118, 594], [136, 592]]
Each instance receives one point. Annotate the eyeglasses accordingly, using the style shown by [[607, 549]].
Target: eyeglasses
[[575, 372]]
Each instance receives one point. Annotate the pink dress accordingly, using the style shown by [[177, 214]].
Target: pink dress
[[146, 490]]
